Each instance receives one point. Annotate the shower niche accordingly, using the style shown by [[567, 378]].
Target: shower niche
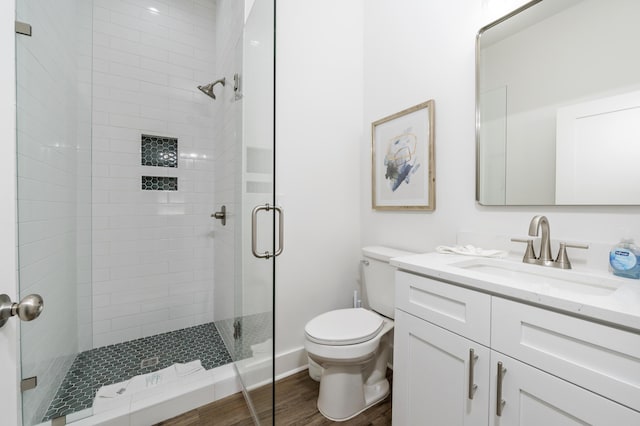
[[159, 151]]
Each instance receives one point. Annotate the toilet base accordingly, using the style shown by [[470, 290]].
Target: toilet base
[[342, 406]]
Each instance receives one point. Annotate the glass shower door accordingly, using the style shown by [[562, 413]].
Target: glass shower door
[[54, 195], [254, 284]]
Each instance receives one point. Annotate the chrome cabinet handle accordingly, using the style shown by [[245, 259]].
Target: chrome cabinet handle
[[499, 401], [254, 231], [222, 215], [472, 360], [29, 308]]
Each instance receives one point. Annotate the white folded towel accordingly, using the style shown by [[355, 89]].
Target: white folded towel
[[470, 250], [149, 380], [113, 391], [188, 368], [263, 347]]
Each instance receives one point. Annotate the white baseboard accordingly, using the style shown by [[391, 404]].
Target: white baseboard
[[291, 362], [287, 363]]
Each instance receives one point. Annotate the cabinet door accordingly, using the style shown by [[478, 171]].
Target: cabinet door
[[431, 376], [533, 398]]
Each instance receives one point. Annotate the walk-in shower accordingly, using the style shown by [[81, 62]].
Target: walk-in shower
[[121, 164]]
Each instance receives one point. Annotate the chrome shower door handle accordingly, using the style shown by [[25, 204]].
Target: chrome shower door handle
[[254, 231], [280, 230]]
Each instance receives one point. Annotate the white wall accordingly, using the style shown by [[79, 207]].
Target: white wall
[[429, 56], [152, 250], [436, 44], [318, 134]]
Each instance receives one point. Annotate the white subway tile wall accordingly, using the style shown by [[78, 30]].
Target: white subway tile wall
[[54, 139], [153, 250]]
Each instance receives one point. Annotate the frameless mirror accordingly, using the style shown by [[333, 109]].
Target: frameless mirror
[[558, 105]]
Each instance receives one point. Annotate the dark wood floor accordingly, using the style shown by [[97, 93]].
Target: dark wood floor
[[296, 398]]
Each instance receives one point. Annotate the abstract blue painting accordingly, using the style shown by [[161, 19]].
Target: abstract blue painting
[[402, 160]]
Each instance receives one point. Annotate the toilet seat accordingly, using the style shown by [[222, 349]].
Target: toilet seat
[[344, 327]]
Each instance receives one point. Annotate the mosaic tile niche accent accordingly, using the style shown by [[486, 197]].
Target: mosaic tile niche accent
[[115, 363], [159, 151], [159, 183]]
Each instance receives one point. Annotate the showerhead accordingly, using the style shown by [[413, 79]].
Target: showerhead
[[208, 89]]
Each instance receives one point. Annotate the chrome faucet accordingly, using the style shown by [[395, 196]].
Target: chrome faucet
[[537, 223], [541, 223]]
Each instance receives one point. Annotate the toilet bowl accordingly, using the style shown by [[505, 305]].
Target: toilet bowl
[[353, 346], [350, 345]]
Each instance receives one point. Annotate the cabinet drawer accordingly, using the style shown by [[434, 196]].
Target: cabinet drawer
[[602, 359], [465, 312]]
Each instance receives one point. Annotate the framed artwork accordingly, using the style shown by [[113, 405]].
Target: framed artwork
[[402, 163]]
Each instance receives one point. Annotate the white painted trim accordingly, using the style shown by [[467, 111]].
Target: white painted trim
[[291, 362], [257, 372]]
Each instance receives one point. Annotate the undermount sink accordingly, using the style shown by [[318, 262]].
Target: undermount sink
[[540, 278]]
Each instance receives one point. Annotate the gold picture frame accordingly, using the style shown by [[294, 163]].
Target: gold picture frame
[[402, 160]]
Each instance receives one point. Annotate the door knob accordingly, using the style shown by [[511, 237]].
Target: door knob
[[28, 309]]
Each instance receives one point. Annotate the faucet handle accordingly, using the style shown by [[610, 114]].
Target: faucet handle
[[562, 261], [529, 254]]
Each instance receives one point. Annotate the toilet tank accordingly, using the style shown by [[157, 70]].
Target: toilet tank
[[379, 278]]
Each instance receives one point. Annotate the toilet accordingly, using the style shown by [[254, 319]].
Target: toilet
[[353, 346]]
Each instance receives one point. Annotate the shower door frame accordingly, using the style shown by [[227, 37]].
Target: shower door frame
[[258, 216], [10, 401]]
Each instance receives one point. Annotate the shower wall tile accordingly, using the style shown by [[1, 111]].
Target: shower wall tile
[[151, 247]]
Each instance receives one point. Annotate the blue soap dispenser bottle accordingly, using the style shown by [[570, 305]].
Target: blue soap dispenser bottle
[[624, 259]]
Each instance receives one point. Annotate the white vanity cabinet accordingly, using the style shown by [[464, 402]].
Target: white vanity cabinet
[[557, 369], [450, 326]]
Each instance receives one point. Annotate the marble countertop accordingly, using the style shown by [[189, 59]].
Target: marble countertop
[[592, 294]]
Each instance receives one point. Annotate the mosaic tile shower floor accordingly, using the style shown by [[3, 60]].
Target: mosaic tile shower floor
[[112, 364]]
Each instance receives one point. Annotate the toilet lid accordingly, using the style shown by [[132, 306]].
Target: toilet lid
[[344, 327]]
